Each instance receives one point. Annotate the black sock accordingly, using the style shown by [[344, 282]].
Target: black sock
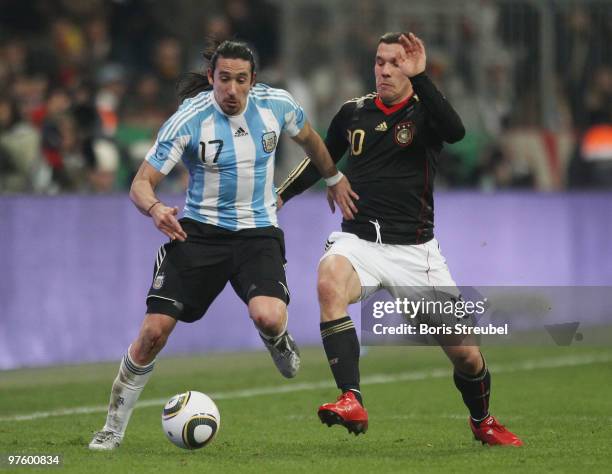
[[342, 348], [475, 391]]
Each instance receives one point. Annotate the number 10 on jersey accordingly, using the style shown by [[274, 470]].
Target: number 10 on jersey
[[356, 138]]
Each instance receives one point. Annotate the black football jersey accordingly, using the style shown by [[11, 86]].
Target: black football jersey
[[392, 159]]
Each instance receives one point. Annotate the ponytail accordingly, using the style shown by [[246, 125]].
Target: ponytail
[[190, 85]]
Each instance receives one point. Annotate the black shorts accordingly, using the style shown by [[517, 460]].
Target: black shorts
[[189, 275]]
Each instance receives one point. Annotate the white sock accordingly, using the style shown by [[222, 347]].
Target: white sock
[[127, 387]]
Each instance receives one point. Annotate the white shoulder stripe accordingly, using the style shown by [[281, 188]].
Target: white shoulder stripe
[[202, 105], [186, 109], [281, 95], [203, 101], [277, 97], [357, 99], [272, 91], [280, 99], [171, 131], [195, 107]]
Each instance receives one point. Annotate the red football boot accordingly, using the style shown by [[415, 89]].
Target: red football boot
[[492, 432], [347, 411]]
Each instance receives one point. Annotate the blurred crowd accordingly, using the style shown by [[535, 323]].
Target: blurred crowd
[[86, 84]]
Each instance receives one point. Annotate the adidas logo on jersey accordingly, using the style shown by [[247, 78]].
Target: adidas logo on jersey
[[241, 132], [381, 127]]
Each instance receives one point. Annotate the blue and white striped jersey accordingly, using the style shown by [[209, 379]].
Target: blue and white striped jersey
[[230, 158]]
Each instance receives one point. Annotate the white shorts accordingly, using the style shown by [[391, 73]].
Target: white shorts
[[403, 270]]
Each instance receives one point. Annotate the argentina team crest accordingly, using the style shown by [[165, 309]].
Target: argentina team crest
[[268, 141], [404, 133]]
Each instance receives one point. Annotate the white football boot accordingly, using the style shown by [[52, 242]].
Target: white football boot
[[105, 441], [285, 354]]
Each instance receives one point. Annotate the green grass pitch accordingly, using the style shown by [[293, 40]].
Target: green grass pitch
[[558, 399]]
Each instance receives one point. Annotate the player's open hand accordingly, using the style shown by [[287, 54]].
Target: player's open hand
[[165, 220], [412, 59], [343, 195]]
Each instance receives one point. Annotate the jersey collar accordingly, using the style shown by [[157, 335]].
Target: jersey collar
[[394, 108]]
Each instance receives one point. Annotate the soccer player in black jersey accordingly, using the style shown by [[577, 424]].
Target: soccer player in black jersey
[[393, 138]]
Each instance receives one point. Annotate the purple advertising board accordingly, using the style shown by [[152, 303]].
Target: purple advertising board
[[76, 269]]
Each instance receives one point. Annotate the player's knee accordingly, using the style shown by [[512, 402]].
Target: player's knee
[[330, 291], [469, 362], [267, 325], [152, 339], [269, 317]]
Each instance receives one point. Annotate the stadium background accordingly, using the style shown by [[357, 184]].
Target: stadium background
[[524, 199]]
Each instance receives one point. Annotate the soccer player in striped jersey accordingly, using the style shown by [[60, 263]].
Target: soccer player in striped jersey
[[393, 138], [226, 135]]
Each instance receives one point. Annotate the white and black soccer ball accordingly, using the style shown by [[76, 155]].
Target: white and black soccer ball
[[191, 420]]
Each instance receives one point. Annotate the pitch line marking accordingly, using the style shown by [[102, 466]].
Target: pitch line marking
[[527, 365]]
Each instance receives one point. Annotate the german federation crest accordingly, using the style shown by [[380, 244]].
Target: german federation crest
[[404, 133], [268, 140]]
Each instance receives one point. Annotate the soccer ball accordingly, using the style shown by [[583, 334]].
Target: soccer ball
[[191, 420]]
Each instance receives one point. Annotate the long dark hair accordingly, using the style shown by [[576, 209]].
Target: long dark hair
[[192, 83]]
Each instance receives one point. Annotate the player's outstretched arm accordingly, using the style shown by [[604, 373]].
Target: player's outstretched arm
[[142, 194], [339, 188]]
